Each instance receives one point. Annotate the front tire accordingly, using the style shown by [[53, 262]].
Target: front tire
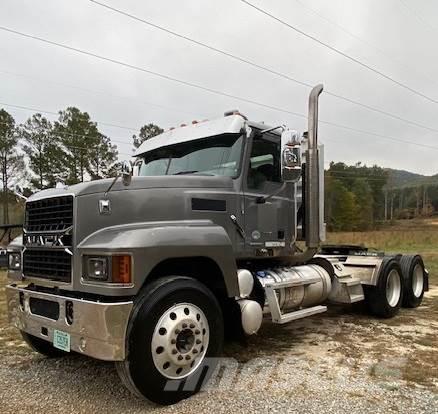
[[174, 336], [384, 300], [42, 346]]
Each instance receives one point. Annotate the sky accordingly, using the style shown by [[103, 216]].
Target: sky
[[395, 37]]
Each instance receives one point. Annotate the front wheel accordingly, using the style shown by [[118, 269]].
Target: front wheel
[[174, 337], [384, 299]]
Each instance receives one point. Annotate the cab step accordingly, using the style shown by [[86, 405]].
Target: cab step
[[282, 318], [274, 307]]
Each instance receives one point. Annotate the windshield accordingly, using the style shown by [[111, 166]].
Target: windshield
[[218, 155]]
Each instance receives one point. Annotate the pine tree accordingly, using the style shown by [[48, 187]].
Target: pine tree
[[80, 137], [43, 150], [102, 159], [146, 132], [11, 162]]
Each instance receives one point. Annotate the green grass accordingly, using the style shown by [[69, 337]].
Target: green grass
[[408, 236]]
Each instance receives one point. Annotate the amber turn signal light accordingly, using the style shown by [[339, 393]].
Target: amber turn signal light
[[121, 269]]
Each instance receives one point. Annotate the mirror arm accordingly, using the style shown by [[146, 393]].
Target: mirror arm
[[111, 185], [125, 172]]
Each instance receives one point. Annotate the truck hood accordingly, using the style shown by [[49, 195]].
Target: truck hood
[[138, 183]]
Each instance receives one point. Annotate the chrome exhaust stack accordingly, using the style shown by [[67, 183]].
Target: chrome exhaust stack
[[314, 202], [313, 196]]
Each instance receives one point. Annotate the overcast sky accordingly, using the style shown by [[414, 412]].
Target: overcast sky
[[399, 39]]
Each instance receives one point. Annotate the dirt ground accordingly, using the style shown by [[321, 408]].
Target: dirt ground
[[340, 361]]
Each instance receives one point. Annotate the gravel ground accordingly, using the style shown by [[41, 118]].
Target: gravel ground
[[339, 362]]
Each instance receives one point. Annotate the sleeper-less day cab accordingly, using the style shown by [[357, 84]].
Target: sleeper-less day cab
[[150, 269]]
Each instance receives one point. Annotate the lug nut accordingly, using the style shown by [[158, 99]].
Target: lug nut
[[197, 332], [198, 341], [177, 331], [192, 325], [174, 351], [195, 351], [173, 341], [184, 325], [180, 357], [188, 357]]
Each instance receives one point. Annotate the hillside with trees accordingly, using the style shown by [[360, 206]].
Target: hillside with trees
[[354, 196], [360, 197]]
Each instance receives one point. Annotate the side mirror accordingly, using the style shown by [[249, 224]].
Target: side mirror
[[290, 156], [126, 172], [136, 168]]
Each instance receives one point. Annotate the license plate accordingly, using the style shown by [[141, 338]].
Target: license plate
[[61, 340]]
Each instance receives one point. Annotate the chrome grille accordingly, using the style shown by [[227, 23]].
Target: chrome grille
[[48, 238], [49, 214], [47, 264]]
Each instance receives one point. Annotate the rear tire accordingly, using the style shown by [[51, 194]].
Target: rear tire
[[384, 300], [174, 337], [413, 280], [42, 346]]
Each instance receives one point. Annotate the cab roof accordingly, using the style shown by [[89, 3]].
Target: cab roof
[[231, 124]]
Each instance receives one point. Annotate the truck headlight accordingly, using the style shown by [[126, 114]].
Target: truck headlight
[[111, 269], [97, 268], [14, 261]]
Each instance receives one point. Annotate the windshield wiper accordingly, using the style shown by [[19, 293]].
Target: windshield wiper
[[192, 172], [186, 172]]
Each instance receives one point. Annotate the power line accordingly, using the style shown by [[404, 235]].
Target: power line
[[60, 133], [95, 92], [150, 72], [387, 137], [362, 40], [357, 130], [353, 174], [27, 108], [340, 52], [200, 87], [258, 66], [419, 17], [340, 177]]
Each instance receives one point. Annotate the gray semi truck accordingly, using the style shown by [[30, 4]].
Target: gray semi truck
[[215, 227]]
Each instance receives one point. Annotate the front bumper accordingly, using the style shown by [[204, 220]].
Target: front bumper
[[98, 328]]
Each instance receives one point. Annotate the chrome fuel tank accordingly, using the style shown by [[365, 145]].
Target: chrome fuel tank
[[308, 285]]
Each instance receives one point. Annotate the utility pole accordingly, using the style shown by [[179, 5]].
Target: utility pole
[[400, 199], [424, 200], [417, 196], [392, 206]]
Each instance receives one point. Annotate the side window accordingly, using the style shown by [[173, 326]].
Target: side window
[[264, 165]]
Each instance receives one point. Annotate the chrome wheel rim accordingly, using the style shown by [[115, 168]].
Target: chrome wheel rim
[[180, 341], [417, 281], [393, 288]]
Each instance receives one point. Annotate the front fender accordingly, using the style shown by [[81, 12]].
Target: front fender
[[151, 243]]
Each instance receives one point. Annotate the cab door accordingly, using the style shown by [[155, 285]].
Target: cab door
[[269, 224]]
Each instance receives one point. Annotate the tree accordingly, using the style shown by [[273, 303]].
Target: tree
[[375, 176], [102, 159], [341, 206], [146, 132], [365, 203], [44, 151], [80, 136], [11, 162]]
